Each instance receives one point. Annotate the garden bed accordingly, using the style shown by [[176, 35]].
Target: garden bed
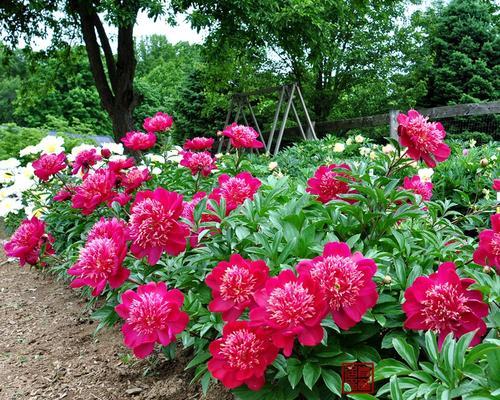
[[49, 349]]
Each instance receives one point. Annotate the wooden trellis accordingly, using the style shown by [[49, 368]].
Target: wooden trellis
[[240, 106]]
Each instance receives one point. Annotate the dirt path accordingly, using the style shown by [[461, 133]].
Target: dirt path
[[48, 349]]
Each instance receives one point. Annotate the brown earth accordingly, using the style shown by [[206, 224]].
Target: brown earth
[[48, 350]]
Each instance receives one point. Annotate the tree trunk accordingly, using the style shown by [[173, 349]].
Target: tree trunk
[[115, 84]]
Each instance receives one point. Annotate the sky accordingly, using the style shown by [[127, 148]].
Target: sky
[[145, 26]]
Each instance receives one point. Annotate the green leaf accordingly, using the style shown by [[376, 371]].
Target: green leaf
[[406, 351], [431, 345], [198, 359], [294, 368], [311, 374], [389, 367], [332, 381], [396, 393]]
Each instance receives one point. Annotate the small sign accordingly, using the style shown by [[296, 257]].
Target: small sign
[[357, 377]]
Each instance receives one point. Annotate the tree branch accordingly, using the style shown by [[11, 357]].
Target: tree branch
[[108, 53]]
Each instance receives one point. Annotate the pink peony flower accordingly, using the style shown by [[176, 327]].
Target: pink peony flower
[[63, 194], [95, 189], [118, 165], [198, 163], [84, 160], [326, 185], [291, 307], [242, 355], [235, 190], [443, 303], [152, 315], [29, 242], [496, 185], [134, 178], [161, 122], [233, 284], [139, 140], [154, 225], [345, 280], [417, 186], [120, 198], [424, 139], [48, 165], [242, 136], [199, 144], [101, 260], [189, 206], [488, 251]]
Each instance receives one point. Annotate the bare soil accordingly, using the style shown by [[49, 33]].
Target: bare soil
[[48, 349]]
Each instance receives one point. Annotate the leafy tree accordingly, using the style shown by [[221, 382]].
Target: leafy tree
[[328, 47], [113, 74], [464, 37]]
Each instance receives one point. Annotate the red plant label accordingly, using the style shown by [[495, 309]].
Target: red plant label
[[357, 377]]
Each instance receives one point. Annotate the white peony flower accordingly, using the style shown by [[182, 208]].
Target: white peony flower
[[116, 148], [272, 165], [373, 155], [425, 174], [472, 143], [359, 139], [156, 158], [388, 149], [22, 184], [339, 147], [364, 151], [51, 144], [348, 141], [29, 150], [10, 205], [9, 164]]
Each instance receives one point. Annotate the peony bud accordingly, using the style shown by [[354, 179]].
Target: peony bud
[[484, 162], [387, 280], [106, 153]]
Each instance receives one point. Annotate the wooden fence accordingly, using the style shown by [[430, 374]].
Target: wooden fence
[[390, 117]]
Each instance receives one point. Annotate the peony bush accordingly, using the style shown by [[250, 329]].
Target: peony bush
[[273, 275]]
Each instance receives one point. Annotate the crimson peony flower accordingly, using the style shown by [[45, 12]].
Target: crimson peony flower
[[29, 242], [95, 189], [242, 136], [233, 284], [105, 153], [443, 303], [417, 186], [134, 178], [117, 165], [120, 198], [139, 140], [345, 280], [488, 251], [84, 160], [101, 260], [154, 225], [152, 315], [496, 185], [160, 122], [202, 162], [242, 355], [48, 165], [235, 190], [63, 194], [199, 144], [189, 206], [326, 185], [424, 139], [291, 307]]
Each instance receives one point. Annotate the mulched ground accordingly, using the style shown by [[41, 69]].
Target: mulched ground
[[48, 349]]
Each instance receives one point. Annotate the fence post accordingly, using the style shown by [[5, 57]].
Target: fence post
[[393, 123]]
